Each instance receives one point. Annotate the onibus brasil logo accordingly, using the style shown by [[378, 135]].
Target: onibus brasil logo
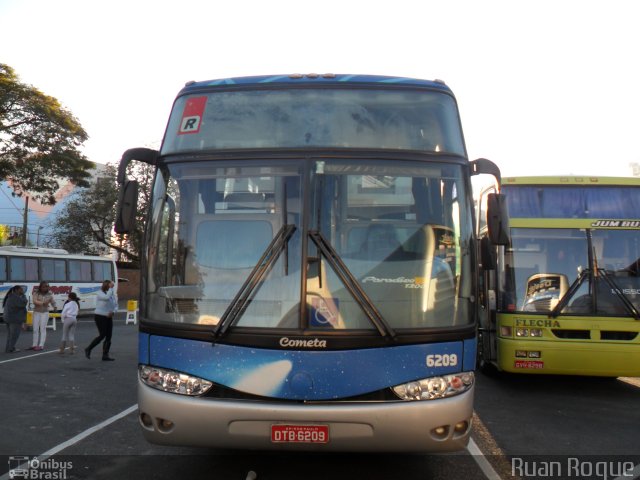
[[38, 469]]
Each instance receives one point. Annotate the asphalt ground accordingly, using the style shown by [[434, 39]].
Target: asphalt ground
[[47, 396], [66, 408]]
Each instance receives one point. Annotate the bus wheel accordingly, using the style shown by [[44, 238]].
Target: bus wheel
[[487, 368]]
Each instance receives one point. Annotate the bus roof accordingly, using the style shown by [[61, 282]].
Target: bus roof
[[13, 250], [315, 79], [571, 180]]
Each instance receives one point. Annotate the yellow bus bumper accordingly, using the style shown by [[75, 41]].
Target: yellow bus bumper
[[601, 359]]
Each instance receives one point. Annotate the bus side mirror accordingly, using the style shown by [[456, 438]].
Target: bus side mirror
[[127, 206], [487, 254], [497, 219]]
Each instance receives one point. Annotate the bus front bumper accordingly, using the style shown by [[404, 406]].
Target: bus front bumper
[[569, 358], [402, 426]]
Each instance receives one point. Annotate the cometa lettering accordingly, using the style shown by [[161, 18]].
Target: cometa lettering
[[535, 322], [302, 343]]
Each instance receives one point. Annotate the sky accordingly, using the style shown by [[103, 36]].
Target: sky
[[544, 87]]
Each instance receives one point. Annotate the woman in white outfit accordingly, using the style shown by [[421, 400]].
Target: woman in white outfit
[[42, 302], [69, 321]]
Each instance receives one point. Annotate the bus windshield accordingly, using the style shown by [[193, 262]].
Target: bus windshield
[[386, 241], [543, 265], [571, 201], [407, 119]]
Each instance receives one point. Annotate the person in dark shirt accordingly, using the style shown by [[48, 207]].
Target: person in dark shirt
[[15, 314]]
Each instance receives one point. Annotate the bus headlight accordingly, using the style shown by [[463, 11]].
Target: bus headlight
[[506, 331], [435, 387], [172, 381]]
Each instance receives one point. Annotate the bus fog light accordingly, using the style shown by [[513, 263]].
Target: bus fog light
[[435, 387], [165, 425], [172, 381], [461, 427], [146, 420], [521, 353], [505, 332], [534, 354], [440, 432]]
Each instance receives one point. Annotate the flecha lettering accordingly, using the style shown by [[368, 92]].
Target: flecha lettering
[[537, 322]]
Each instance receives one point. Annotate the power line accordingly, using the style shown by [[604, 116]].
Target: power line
[[11, 201], [31, 210]]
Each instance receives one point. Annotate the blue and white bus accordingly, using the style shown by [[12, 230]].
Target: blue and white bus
[[309, 276]]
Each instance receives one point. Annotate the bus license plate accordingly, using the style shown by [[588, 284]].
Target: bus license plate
[[300, 433]]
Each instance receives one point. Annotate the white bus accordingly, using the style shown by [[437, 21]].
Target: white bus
[[65, 272]]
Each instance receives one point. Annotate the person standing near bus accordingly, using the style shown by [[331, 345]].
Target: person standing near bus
[[106, 306], [69, 322], [43, 302], [15, 314]]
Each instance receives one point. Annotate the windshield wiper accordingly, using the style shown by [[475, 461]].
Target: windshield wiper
[[255, 279], [599, 272], [582, 275], [351, 284], [593, 276], [564, 301]]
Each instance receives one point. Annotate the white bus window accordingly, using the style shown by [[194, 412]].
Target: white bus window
[[3, 269], [79, 271], [102, 271], [53, 270], [24, 269]]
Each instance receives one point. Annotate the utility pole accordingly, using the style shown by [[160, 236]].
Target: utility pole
[[24, 221]]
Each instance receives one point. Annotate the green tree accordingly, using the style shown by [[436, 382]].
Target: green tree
[[4, 234], [87, 218], [39, 140]]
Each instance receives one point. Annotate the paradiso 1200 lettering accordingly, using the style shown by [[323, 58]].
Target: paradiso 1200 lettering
[[417, 282]]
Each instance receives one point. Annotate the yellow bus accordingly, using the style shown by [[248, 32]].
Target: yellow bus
[[564, 296]]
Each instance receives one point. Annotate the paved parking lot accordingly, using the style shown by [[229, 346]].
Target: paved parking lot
[[66, 408]]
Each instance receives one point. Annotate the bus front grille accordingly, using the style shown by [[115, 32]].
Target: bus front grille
[[612, 335], [572, 334]]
